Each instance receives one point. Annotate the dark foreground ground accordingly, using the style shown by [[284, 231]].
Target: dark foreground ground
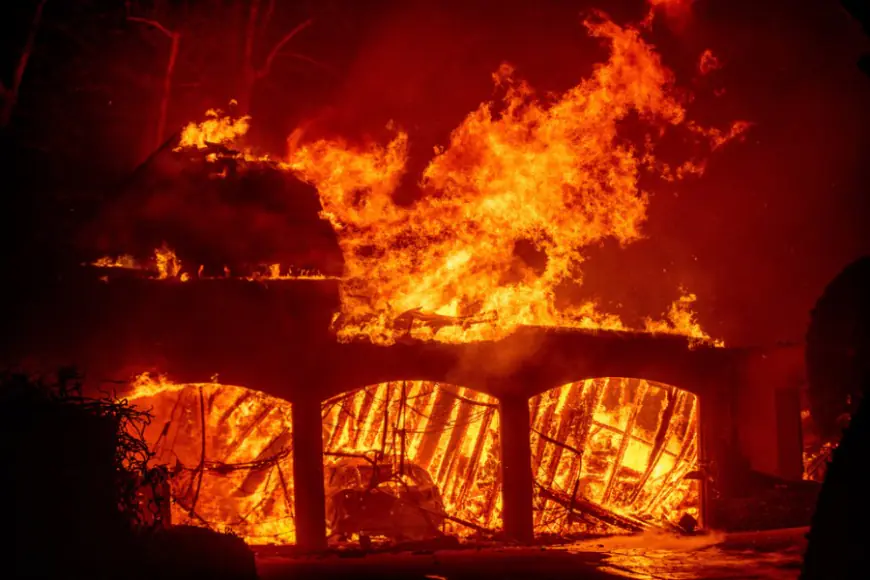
[[774, 555]]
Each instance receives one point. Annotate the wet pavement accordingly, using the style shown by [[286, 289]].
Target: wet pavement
[[773, 555]]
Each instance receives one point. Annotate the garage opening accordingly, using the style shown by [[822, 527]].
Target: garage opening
[[411, 460], [615, 455]]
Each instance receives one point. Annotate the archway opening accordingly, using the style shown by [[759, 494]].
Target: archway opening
[[614, 455], [411, 460], [228, 454]]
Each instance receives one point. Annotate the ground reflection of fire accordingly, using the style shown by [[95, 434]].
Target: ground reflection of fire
[[229, 453], [613, 453], [451, 432]]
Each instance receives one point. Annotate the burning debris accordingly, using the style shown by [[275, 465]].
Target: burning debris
[[614, 454], [414, 460], [425, 431], [229, 456]]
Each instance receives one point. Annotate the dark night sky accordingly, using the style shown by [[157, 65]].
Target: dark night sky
[[757, 238]]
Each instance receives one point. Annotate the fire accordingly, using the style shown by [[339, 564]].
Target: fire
[[229, 453], [606, 453], [217, 129], [681, 320], [166, 265], [554, 176], [451, 432], [123, 261], [623, 445], [506, 208]]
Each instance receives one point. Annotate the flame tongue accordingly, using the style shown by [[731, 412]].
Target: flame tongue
[[507, 208], [553, 175]]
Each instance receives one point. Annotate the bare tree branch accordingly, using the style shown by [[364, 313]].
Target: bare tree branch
[[175, 41], [262, 72], [264, 23], [10, 95], [153, 23], [305, 58]]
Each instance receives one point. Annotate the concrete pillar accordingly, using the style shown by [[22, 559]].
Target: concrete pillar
[[309, 498], [516, 469]]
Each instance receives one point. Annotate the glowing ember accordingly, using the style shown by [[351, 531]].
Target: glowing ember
[[166, 265], [450, 432], [672, 7], [623, 445], [229, 454], [123, 261]]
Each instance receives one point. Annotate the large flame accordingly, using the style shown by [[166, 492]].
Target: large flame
[[507, 208], [554, 176]]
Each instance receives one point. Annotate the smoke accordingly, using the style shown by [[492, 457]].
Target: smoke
[[261, 216]]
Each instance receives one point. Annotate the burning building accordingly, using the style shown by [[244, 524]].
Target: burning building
[[426, 368]]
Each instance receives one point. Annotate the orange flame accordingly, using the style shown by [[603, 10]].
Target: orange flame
[[553, 175], [216, 129], [622, 444], [229, 453]]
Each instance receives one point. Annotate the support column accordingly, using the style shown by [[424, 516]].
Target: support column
[[309, 498], [789, 435], [516, 469]]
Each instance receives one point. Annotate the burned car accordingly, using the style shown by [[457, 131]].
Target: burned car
[[395, 499]]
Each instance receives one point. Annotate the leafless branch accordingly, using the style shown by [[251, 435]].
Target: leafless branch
[[281, 43], [147, 21], [320, 64], [169, 33], [10, 95], [270, 8]]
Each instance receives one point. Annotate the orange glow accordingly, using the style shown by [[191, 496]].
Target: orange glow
[[681, 320], [217, 129], [549, 174], [520, 175], [451, 432], [229, 453], [167, 266], [625, 445], [708, 62], [123, 261], [167, 263]]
